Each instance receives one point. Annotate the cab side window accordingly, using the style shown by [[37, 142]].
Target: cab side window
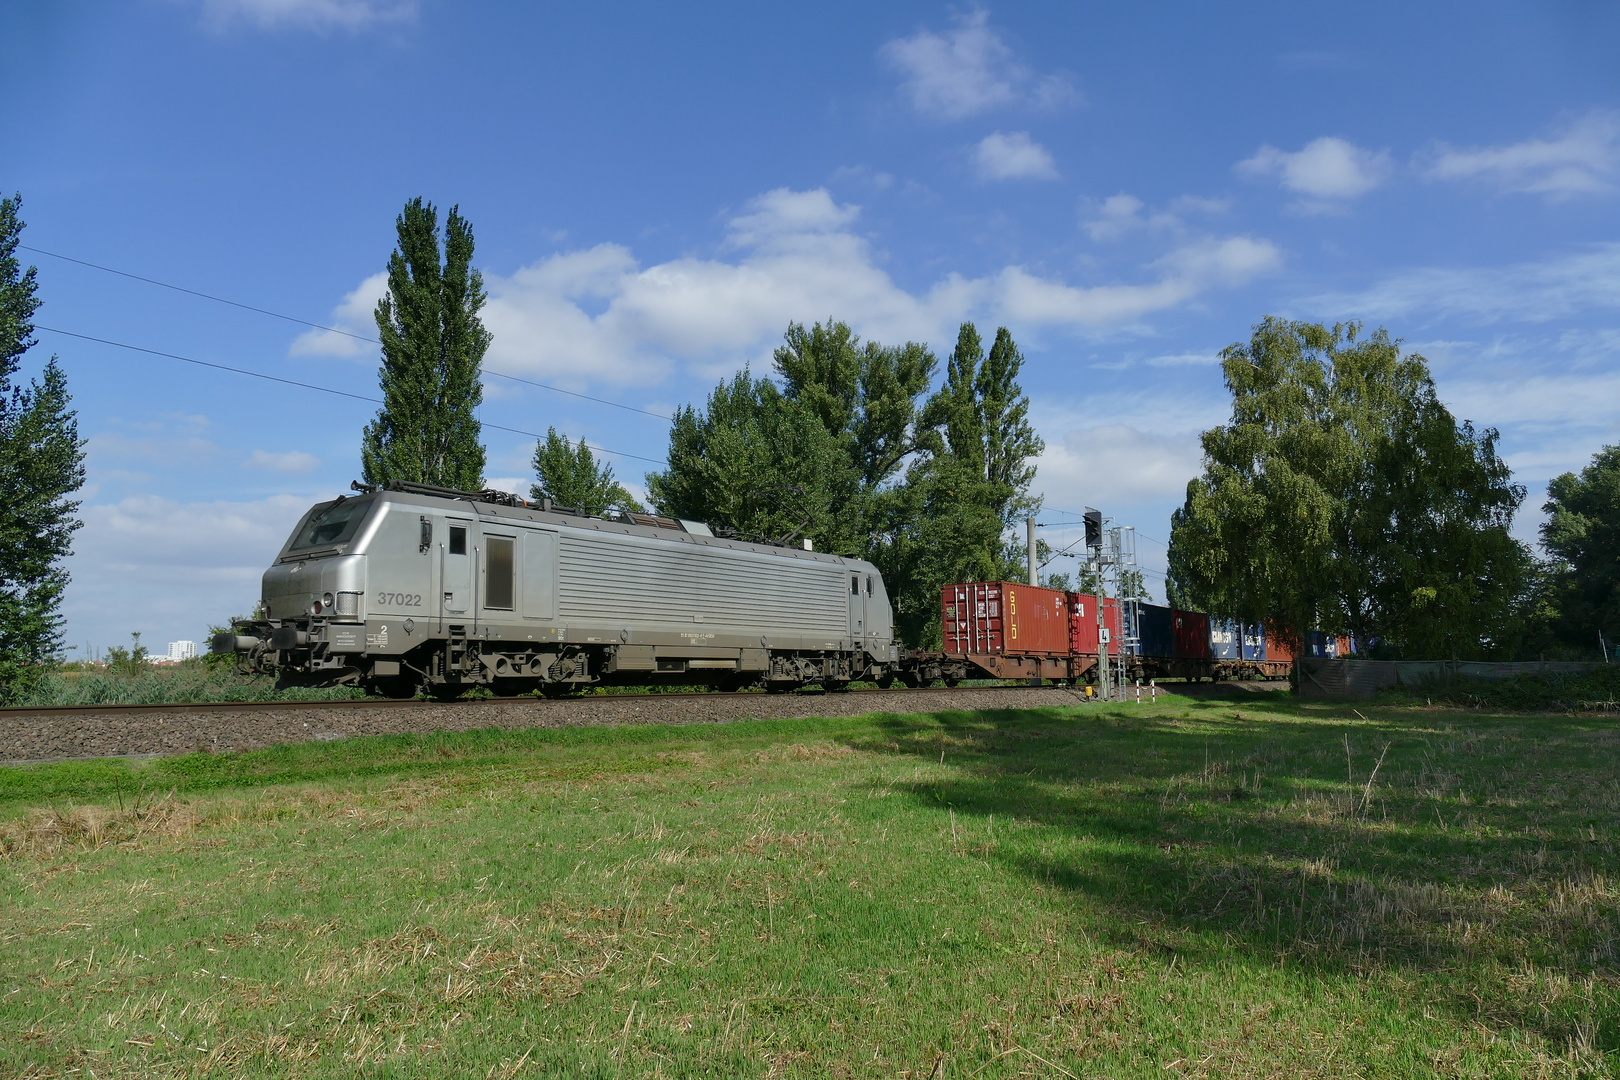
[[458, 540]]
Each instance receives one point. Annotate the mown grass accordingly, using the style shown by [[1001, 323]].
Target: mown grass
[[1191, 889]]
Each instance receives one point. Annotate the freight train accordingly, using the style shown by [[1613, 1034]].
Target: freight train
[[1006, 630], [409, 588]]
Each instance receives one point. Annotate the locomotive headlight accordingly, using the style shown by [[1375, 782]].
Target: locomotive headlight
[[326, 600]]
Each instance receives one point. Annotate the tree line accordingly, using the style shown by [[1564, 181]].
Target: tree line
[[1342, 496]]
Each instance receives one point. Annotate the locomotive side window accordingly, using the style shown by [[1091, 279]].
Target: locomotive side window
[[855, 585], [498, 589], [458, 540]]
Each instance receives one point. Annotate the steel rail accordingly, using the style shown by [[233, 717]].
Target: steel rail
[[401, 703]]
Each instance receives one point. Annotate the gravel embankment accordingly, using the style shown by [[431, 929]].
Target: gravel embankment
[[62, 736]]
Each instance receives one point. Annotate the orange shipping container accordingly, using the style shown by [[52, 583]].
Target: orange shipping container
[[1004, 618]]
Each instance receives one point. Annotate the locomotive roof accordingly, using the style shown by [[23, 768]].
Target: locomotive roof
[[503, 506]]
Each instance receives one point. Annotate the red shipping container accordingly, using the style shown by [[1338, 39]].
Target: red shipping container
[[1192, 635], [1004, 618], [1083, 624], [1275, 649]]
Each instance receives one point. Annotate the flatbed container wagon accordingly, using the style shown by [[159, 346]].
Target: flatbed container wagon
[[1003, 630]]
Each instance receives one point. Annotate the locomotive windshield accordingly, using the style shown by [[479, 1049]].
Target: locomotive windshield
[[334, 525]]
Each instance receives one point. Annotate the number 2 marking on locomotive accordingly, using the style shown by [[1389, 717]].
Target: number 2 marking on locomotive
[[400, 599]]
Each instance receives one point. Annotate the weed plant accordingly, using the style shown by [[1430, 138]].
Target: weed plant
[[1597, 690], [153, 684], [1187, 889]]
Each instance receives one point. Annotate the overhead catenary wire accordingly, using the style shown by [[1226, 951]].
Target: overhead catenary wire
[[330, 329], [305, 385]]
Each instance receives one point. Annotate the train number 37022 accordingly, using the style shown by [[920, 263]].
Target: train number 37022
[[399, 599]]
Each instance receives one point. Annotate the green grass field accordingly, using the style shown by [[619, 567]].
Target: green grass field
[[1188, 889]]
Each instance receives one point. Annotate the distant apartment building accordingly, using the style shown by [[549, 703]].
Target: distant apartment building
[[182, 650]]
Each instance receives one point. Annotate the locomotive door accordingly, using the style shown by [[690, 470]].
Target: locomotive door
[[455, 575], [857, 610]]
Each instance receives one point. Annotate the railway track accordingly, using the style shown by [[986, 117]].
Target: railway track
[[60, 733], [407, 703]]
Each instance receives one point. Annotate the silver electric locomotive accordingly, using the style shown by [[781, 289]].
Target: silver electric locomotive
[[414, 588]]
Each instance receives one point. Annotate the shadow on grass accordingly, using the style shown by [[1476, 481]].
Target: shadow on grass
[[1479, 861]]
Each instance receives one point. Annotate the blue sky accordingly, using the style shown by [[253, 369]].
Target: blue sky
[[658, 191]]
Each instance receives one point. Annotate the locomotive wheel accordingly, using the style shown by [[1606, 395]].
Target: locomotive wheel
[[780, 686], [886, 682], [951, 683], [835, 686], [556, 689]]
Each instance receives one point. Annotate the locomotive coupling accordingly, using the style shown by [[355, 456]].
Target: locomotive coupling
[[233, 643], [288, 637]]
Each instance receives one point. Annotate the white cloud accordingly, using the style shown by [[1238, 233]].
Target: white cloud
[[292, 461], [1114, 217], [355, 316], [968, 70], [783, 213], [1184, 273], [308, 14], [517, 485], [598, 315], [1013, 156], [169, 569], [1120, 214], [1328, 168], [1533, 292], [1583, 160], [1559, 399], [1117, 465]]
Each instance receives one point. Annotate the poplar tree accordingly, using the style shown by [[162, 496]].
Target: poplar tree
[[963, 499], [41, 465], [433, 346], [569, 475]]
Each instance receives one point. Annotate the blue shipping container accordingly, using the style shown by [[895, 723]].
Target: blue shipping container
[[1254, 641], [1156, 630], [1322, 646], [1224, 639]]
